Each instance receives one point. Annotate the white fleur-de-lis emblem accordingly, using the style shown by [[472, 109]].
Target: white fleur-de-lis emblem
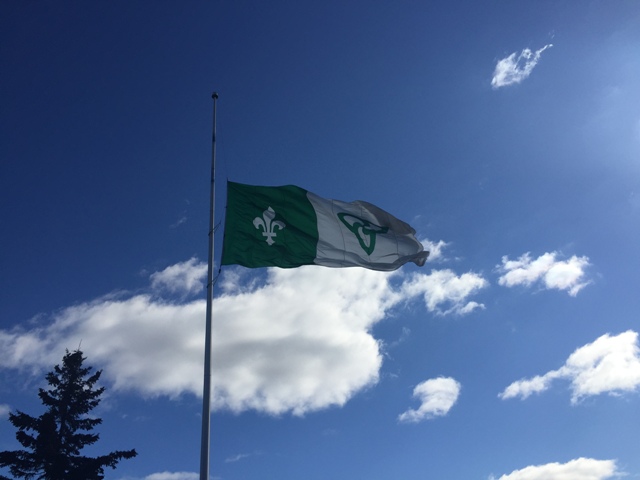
[[268, 225]]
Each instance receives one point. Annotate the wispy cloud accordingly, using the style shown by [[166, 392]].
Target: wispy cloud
[[167, 476], [4, 410], [436, 396], [289, 340], [611, 364], [516, 67], [580, 468], [546, 270], [173, 476], [183, 278], [179, 222], [237, 458]]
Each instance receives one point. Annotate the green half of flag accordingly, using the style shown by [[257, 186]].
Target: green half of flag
[[289, 227]]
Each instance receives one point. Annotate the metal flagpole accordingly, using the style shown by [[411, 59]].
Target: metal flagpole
[[206, 392]]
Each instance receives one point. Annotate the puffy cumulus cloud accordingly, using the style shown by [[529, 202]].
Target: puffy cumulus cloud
[[445, 292], [143, 344], [516, 67], [611, 364], [182, 278], [578, 469], [288, 340], [436, 396], [301, 341], [435, 249], [547, 270]]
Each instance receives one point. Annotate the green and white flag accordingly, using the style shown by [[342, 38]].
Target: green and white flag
[[288, 227]]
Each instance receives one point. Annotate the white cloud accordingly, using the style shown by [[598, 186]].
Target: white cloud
[[578, 469], [167, 476], [237, 458], [173, 476], [183, 278], [179, 222], [436, 395], [611, 364], [525, 388], [445, 292], [4, 410], [435, 249], [547, 270], [288, 340], [515, 68]]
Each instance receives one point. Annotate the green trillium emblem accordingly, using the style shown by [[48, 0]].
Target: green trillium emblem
[[364, 230]]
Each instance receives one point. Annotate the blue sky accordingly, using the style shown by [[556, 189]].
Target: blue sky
[[506, 133]]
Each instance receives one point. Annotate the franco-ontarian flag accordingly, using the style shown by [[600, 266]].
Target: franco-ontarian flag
[[289, 227]]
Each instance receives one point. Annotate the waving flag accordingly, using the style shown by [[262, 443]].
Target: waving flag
[[288, 227]]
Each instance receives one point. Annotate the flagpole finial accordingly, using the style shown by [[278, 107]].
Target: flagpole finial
[[215, 95]]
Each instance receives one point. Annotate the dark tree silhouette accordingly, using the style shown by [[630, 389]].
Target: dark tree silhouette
[[53, 441]]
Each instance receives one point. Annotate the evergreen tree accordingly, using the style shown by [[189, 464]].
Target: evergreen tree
[[53, 441]]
